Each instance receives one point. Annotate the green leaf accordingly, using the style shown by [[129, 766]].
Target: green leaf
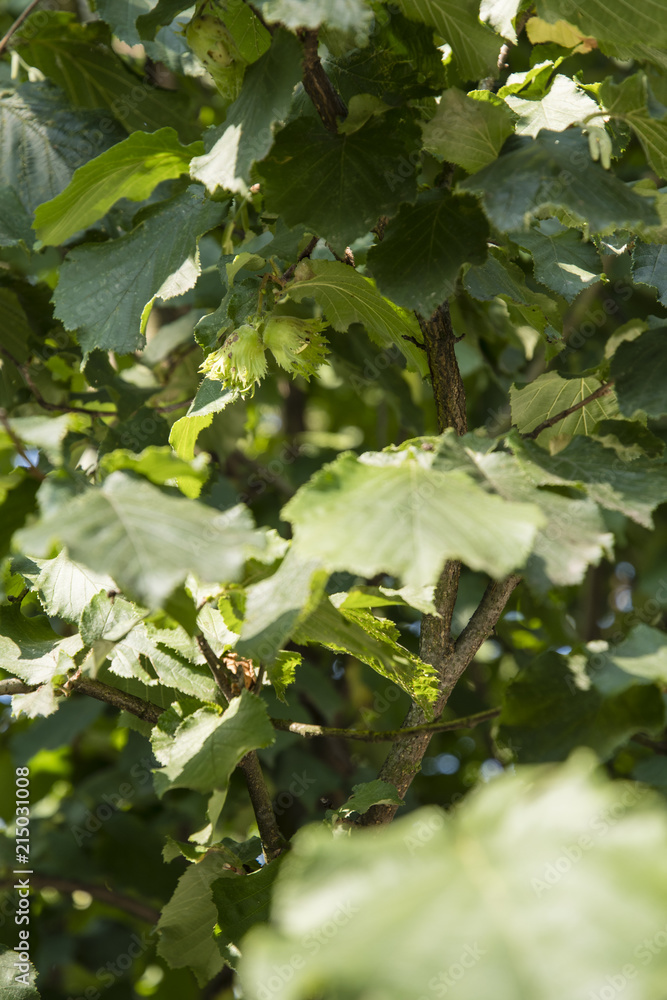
[[649, 267], [211, 398], [423, 248], [632, 102], [563, 261], [93, 76], [161, 466], [343, 183], [15, 223], [632, 488], [550, 840], [121, 16], [243, 901], [17, 505], [106, 291], [247, 132], [642, 654], [562, 106], [370, 793], [639, 370], [373, 641], [554, 171], [344, 15], [187, 921], [468, 129], [498, 276], [474, 45], [500, 14], [346, 297], [621, 29], [200, 749], [130, 169], [546, 714], [43, 141], [148, 541], [275, 606], [31, 650], [282, 672], [550, 394], [574, 535], [391, 513], [163, 13], [10, 987], [65, 588]]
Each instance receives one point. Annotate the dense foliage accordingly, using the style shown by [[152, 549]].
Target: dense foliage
[[333, 367]]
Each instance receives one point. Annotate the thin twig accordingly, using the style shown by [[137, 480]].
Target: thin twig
[[220, 673], [304, 253], [17, 24], [135, 907], [490, 82], [306, 729], [170, 407], [29, 466], [604, 390]]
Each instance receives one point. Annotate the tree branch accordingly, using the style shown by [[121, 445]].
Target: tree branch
[[306, 729], [604, 390], [328, 103], [272, 839], [448, 390], [273, 842], [135, 907], [17, 24]]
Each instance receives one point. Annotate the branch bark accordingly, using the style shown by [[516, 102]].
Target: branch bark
[[437, 645], [328, 102], [307, 729], [132, 906]]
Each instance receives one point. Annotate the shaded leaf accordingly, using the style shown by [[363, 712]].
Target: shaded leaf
[[468, 129], [43, 141], [474, 45], [551, 172], [632, 488], [339, 185], [371, 793], [200, 749], [424, 246], [546, 714], [106, 290], [247, 132], [639, 369], [563, 261]]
